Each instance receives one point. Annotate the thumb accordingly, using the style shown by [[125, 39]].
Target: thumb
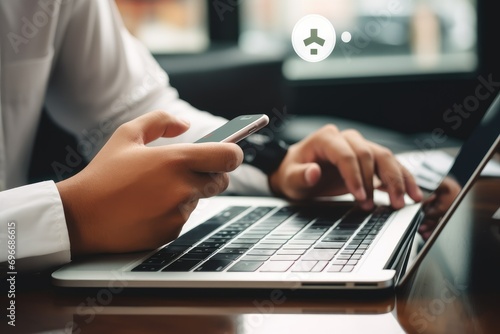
[[305, 176], [153, 125]]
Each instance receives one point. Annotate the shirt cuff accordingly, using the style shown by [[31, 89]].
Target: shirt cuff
[[41, 235], [248, 180]]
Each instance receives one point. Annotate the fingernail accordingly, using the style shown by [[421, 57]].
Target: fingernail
[[185, 121]]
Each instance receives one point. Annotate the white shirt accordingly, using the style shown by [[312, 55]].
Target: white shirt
[[76, 57]]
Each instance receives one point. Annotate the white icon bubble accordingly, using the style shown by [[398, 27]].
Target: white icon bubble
[[313, 38], [346, 37]]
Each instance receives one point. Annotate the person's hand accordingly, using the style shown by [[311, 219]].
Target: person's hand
[[330, 162], [437, 204], [132, 197]]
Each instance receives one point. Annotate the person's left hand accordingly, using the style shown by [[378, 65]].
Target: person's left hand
[[330, 162]]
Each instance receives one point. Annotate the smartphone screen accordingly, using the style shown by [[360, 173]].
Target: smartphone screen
[[236, 129]]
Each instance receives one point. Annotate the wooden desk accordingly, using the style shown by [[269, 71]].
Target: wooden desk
[[457, 287], [455, 290]]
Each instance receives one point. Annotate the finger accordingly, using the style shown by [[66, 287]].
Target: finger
[[312, 174], [206, 185], [366, 163], [213, 157], [390, 173], [303, 177], [338, 152], [411, 186], [153, 125]]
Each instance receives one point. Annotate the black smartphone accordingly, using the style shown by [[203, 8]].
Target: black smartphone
[[236, 129]]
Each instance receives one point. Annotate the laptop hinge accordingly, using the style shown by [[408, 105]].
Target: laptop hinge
[[400, 257]]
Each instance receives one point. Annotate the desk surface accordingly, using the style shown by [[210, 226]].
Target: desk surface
[[451, 292]]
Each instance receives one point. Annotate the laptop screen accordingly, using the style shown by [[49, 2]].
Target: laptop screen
[[470, 162]]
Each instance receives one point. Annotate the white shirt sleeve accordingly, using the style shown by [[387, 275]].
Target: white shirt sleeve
[[102, 77], [36, 214]]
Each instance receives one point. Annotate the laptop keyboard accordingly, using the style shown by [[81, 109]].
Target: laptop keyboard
[[269, 239]]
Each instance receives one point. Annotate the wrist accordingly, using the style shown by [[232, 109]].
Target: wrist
[[264, 152], [71, 215], [273, 182]]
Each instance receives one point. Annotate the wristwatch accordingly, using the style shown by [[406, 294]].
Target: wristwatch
[[264, 152]]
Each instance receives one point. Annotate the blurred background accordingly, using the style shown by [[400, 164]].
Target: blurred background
[[406, 64]]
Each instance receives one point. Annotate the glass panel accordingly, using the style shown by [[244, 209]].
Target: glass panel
[[167, 26], [388, 37]]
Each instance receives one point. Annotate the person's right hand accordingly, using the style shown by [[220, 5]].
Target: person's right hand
[[132, 197]]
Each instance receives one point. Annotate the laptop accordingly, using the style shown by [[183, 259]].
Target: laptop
[[271, 243]]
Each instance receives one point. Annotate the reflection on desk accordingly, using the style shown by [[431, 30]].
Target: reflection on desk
[[44, 308], [456, 287]]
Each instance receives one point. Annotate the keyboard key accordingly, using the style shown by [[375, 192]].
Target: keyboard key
[[339, 262], [203, 250], [245, 266], [267, 246], [308, 237], [291, 251], [213, 245], [347, 252], [233, 251], [262, 252], [330, 245], [223, 256], [214, 265], [246, 241], [221, 239], [276, 266], [181, 265], [148, 267], [170, 249], [319, 266], [241, 246], [223, 233], [347, 268], [320, 254], [255, 258], [285, 257], [280, 236], [202, 230], [335, 238], [295, 246], [153, 260], [253, 235], [195, 256], [335, 268], [273, 241], [355, 218], [352, 262], [301, 242], [304, 266]]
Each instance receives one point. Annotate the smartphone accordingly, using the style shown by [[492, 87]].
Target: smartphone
[[236, 129]]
